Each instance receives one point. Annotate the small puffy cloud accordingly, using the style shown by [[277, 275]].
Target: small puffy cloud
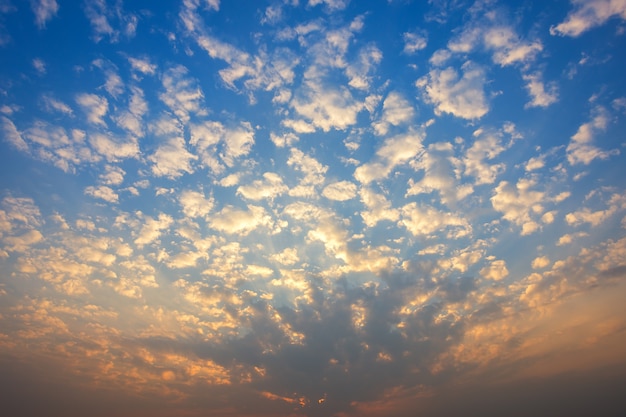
[[377, 208], [44, 10], [182, 93], [519, 204], [581, 150], [462, 96], [286, 139], [233, 220], [195, 204], [152, 229], [440, 174], [112, 175], [396, 111], [238, 142], [394, 151], [327, 107], [172, 159], [22, 242], [94, 106], [332, 5], [588, 14], [102, 192], [142, 65], [12, 135], [113, 149], [51, 104], [486, 147], [340, 191], [539, 95], [110, 21], [508, 48], [425, 221], [495, 271], [39, 66], [269, 187], [540, 262], [414, 42]]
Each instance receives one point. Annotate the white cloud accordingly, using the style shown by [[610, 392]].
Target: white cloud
[[22, 243], [113, 175], [195, 204], [487, 147], [537, 91], [142, 65], [396, 111], [114, 149], [103, 18], [12, 135], [44, 11], [340, 191], [540, 262], [378, 208], [508, 48], [152, 229], [172, 159], [182, 94], [332, 5], [286, 139], [238, 142], [394, 151], [462, 97], [40, 66], [327, 107], [414, 42], [269, 187], [580, 150], [314, 172], [425, 221], [102, 192], [51, 104], [519, 204], [94, 106], [441, 172], [595, 218], [233, 220], [588, 14], [495, 271]]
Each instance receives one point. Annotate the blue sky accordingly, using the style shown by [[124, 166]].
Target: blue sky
[[312, 208]]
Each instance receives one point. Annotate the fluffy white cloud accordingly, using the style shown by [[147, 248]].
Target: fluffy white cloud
[[182, 93], [486, 147], [495, 271], [113, 149], [44, 11], [581, 150], [539, 96], [520, 204], [396, 111], [441, 174], [462, 97], [340, 191], [425, 221], [588, 14], [95, 107], [12, 135], [172, 159], [394, 151], [269, 187], [195, 204], [233, 220], [152, 229], [414, 42], [102, 192]]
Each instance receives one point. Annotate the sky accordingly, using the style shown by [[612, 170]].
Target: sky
[[307, 208]]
